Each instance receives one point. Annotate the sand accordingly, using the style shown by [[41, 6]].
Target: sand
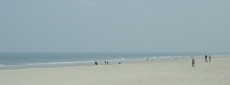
[[156, 72]]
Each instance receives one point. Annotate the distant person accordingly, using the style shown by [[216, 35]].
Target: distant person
[[96, 63], [206, 58], [119, 62], [193, 62], [209, 58], [107, 62]]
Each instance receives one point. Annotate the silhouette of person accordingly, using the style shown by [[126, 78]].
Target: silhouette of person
[[206, 58], [96, 63], [193, 62], [209, 58]]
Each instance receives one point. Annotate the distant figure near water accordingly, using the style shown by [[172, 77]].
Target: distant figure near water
[[96, 63], [209, 58], [206, 58], [193, 62]]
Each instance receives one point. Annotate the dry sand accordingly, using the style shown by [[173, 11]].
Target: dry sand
[[156, 72]]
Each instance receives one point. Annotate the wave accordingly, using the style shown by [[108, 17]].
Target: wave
[[90, 62], [55, 64], [58, 63]]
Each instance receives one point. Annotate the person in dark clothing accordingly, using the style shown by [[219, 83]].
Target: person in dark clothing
[[193, 62], [96, 63], [206, 58]]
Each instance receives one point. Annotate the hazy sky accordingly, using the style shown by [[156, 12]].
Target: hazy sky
[[114, 26]]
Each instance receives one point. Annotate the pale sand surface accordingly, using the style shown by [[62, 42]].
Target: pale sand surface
[[156, 72]]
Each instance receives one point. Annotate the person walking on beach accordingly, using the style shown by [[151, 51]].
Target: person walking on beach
[[206, 58], [96, 63], [209, 58], [193, 62]]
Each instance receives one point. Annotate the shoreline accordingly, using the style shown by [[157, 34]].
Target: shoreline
[[134, 61], [39, 60], [160, 72], [101, 62]]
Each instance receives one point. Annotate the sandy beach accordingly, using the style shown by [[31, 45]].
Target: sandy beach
[[156, 72]]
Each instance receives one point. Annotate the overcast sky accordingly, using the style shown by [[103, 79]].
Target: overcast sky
[[114, 26]]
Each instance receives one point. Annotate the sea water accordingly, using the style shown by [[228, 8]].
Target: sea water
[[32, 60]]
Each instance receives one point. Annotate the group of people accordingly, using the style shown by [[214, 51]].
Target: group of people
[[205, 57], [106, 63]]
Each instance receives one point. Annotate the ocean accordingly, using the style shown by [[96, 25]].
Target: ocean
[[35, 60]]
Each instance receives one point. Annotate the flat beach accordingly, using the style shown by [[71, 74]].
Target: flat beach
[[156, 72]]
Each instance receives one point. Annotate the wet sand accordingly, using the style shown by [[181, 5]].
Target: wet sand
[[159, 72]]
